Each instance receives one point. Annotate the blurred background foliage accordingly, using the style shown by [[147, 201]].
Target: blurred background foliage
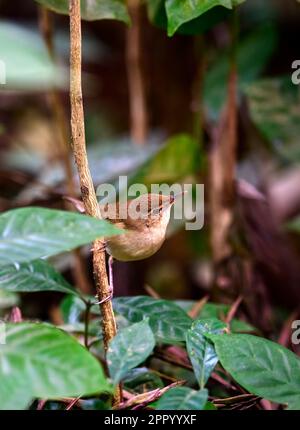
[[185, 77]]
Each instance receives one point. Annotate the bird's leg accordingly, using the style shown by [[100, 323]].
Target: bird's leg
[[111, 275], [111, 282]]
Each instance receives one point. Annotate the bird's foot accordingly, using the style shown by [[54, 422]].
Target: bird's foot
[[106, 299], [99, 248]]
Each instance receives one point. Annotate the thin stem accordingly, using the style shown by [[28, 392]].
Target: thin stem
[[63, 139], [136, 84], [86, 183]]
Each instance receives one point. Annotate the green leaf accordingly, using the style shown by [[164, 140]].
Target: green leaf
[[201, 350], [92, 10], [39, 360], [182, 399], [142, 377], [27, 63], [214, 310], [275, 110], [218, 311], [130, 347], [157, 12], [168, 322], [186, 305], [37, 275], [72, 309], [240, 326], [215, 82], [157, 15], [264, 368], [294, 404], [181, 11], [178, 158], [30, 233], [210, 407]]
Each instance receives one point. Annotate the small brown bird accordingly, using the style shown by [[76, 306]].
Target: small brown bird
[[144, 219]]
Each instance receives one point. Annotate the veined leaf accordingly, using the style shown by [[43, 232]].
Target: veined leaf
[[264, 368], [278, 121], [130, 347], [39, 360], [37, 275], [30, 233], [168, 322], [201, 350], [182, 399]]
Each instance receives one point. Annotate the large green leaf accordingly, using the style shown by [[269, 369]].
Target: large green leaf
[[130, 347], [168, 322], [30, 233], [25, 60], [215, 82], [39, 360], [275, 109], [201, 350], [181, 11], [92, 10], [34, 276], [182, 399], [264, 368]]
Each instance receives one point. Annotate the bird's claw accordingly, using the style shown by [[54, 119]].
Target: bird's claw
[[106, 299]]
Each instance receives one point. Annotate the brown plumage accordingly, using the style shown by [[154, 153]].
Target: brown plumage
[[144, 219]]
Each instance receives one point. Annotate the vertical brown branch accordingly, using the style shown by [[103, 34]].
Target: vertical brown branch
[[63, 138], [86, 183], [137, 97], [223, 164]]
